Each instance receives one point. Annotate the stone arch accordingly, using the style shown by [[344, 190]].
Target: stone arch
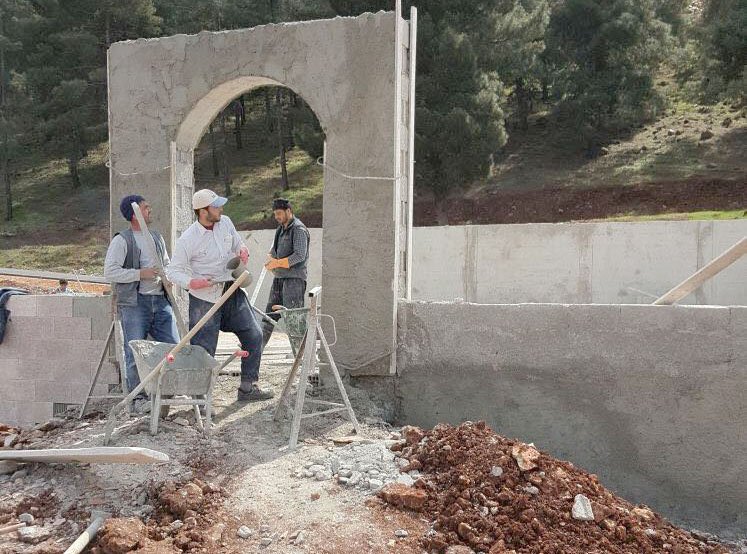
[[355, 75]]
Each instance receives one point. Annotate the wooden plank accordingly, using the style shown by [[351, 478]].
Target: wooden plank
[[706, 272], [151, 243], [99, 454]]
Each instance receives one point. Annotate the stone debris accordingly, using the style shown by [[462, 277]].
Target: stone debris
[[582, 510], [539, 503], [401, 533], [364, 466], [244, 532]]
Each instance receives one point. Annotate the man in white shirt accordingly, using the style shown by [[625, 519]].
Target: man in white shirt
[[199, 265], [142, 305]]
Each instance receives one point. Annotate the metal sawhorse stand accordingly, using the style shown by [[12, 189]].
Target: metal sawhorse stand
[[306, 359]]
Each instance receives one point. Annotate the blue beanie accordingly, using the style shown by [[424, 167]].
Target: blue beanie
[[125, 206]]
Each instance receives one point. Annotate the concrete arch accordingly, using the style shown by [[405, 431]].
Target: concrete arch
[[354, 73]]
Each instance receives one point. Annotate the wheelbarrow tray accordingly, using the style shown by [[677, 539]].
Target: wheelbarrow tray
[[189, 374]]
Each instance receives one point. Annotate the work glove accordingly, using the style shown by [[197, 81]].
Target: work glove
[[196, 284], [275, 263], [244, 255]]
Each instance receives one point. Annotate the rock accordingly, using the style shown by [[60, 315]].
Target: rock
[[176, 525], [412, 434], [705, 135], [531, 489], [34, 534], [20, 474], [496, 471], [711, 165], [464, 530], [179, 501], [342, 480], [401, 533], [121, 535], [345, 472], [266, 541], [375, 484], [334, 464], [26, 518], [582, 509], [182, 421], [7, 467], [216, 532], [354, 478], [316, 468], [671, 132], [525, 455], [10, 440], [642, 513], [323, 476], [403, 496], [300, 538], [726, 122], [264, 529], [459, 549], [406, 480], [244, 532]]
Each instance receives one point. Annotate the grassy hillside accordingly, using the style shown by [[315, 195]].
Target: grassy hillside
[[664, 170]]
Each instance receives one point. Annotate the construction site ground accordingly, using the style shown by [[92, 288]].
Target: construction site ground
[[242, 491]]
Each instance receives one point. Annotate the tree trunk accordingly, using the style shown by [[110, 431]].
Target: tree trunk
[[213, 151], [226, 175], [72, 164], [5, 176], [522, 103], [243, 110], [269, 123], [237, 126], [281, 139]]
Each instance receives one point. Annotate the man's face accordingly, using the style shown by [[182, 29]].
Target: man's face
[[145, 209], [282, 216], [213, 214]]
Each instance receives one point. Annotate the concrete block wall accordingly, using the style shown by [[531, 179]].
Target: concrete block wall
[[50, 351], [653, 399], [605, 263]]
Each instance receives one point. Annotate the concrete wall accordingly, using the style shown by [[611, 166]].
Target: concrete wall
[[163, 93], [653, 399], [50, 351], [579, 263]]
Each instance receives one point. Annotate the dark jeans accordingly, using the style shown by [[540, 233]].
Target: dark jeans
[[287, 292], [237, 317], [152, 316]]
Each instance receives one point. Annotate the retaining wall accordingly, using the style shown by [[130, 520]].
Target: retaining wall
[[48, 356], [583, 263], [653, 399]]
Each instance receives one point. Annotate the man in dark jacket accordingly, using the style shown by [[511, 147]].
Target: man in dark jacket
[[288, 262], [142, 305]]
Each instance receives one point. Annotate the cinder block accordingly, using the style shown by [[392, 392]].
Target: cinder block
[[23, 305], [9, 412], [9, 370], [55, 306], [40, 411], [92, 306], [29, 329], [52, 391], [20, 390], [53, 350], [76, 372], [36, 369], [72, 328]]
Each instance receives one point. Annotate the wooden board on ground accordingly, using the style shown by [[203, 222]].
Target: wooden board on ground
[[94, 455]]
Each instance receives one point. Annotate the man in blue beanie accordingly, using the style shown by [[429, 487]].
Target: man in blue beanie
[[142, 305]]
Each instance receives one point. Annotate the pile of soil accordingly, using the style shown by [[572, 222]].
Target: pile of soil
[[188, 517], [496, 495]]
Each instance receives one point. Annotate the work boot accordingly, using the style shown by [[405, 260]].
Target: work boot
[[252, 392], [141, 405]]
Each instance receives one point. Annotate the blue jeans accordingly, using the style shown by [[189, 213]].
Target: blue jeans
[[237, 317], [152, 316]]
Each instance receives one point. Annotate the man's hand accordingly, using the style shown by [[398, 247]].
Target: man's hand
[[196, 284], [244, 255], [148, 273]]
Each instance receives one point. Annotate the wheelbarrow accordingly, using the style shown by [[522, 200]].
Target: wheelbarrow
[[187, 378]]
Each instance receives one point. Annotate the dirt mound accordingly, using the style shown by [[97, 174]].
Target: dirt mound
[[496, 495], [187, 518]]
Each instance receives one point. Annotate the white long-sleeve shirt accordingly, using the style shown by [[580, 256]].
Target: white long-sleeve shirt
[[201, 253], [115, 258]]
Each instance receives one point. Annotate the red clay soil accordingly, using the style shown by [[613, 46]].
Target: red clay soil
[[524, 511], [49, 286], [557, 204]]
